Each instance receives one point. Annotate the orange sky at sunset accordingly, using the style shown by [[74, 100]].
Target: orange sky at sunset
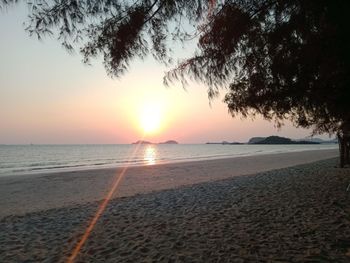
[[49, 96]]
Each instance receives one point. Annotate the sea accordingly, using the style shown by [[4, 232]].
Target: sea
[[29, 159]]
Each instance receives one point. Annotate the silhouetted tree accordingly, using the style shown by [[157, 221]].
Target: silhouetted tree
[[283, 59]]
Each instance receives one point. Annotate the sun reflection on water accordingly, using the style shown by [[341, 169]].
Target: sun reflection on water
[[150, 155]]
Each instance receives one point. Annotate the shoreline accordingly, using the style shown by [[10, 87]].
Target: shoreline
[[23, 194], [79, 168]]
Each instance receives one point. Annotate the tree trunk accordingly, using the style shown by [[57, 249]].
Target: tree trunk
[[346, 151], [344, 143], [341, 150]]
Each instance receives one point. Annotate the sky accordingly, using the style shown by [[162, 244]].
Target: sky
[[48, 96]]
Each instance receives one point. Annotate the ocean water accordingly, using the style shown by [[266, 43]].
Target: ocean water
[[28, 159]]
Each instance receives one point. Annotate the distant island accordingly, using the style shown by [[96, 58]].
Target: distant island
[[142, 142], [147, 142], [225, 143], [257, 140], [277, 140], [254, 140], [169, 142]]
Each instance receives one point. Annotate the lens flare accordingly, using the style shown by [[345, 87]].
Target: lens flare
[[118, 178]]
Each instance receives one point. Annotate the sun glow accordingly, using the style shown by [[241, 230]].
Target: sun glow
[[150, 118]]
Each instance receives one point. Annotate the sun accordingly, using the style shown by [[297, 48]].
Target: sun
[[150, 118]]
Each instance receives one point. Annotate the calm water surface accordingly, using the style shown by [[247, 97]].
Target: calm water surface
[[23, 159]]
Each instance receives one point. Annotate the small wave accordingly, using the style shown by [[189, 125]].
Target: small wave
[[57, 167], [7, 166], [45, 164]]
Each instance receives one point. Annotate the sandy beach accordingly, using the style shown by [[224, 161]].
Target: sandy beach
[[246, 209], [37, 192]]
